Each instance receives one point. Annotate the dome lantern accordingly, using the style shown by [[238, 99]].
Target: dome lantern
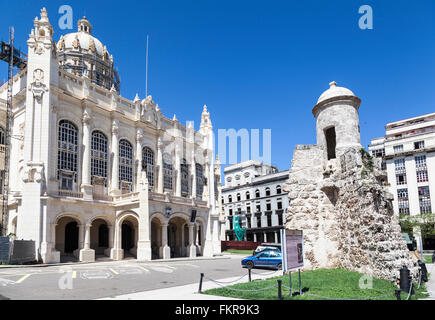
[[84, 26]]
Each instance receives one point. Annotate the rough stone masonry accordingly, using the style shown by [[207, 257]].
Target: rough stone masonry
[[337, 197]]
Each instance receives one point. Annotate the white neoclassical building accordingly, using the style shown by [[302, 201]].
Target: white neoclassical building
[[93, 173], [254, 191], [408, 155]]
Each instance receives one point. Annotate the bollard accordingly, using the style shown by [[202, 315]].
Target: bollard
[[404, 279], [249, 274], [423, 270], [200, 283], [279, 289], [397, 293]]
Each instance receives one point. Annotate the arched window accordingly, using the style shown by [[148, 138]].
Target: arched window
[[239, 197], [230, 198], [2, 135], [148, 164], [199, 180], [184, 178], [257, 193], [248, 195], [267, 192], [278, 189], [67, 154], [99, 158], [167, 172], [125, 166]]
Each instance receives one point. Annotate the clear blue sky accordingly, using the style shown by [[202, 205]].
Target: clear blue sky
[[260, 64]]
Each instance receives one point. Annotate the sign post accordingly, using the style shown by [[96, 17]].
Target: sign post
[[292, 250]]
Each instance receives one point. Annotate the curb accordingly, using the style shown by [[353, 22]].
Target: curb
[[130, 261]]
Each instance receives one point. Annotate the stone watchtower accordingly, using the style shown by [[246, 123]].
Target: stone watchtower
[[337, 120], [337, 199]]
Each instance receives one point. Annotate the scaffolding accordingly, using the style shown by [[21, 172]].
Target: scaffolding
[[102, 73], [14, 58]]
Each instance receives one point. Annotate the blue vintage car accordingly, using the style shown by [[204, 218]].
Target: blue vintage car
[[264, 259]]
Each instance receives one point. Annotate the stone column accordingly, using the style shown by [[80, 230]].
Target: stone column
[[76, 252], [165, 251], [115, 163], [192, 247], [139, 137], [111, 240], [276, 236], [177, 170], [265, 237], [160, 165], [55, 255], [255, 237], [86, 186], [193, 175], [117, 253], [87, 254]]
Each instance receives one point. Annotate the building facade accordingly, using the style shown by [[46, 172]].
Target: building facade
[[408, 154], [93, 173], [254, 192]]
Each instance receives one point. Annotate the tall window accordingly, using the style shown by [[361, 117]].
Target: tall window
[[239, 197], [148, 164], [167, 172], [267, 192], [230, 198], [248, 195], [399, 164], [184, 178], [257, 193], [99, 158], [419, 145], [67, 154], [402, 198], [421, 168], [199, 180], [125, 166], [424, 198], [278, 190], [398, 148], [2, 135]]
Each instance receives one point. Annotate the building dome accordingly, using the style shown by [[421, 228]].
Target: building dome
[[334, 91], [82, 54]]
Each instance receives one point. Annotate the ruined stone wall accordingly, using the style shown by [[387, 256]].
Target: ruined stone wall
[[345, 213]]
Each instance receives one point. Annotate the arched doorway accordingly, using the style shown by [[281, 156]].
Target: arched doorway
[[71, 237], [127, 236], [128, 228], [176, 236], [67, 238], [156, 238], [99, 236]]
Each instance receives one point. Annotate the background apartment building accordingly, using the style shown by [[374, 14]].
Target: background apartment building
[[254, 191], [408, 153]]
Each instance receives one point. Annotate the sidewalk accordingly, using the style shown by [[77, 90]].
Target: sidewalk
[[190, 291], [430, 285]]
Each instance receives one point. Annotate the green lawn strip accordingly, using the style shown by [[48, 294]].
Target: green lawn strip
[[331, 283], [247, 252], [427, 258]]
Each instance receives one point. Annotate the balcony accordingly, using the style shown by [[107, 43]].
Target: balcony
[[70, 194], [131, 196]]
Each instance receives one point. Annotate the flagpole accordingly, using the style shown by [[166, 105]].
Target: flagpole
[[146, 72]]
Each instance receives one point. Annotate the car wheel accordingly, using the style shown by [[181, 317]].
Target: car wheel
[[249, 264], [279, 266]]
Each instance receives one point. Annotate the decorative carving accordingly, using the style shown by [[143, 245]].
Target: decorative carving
[[86, 116], [34, 172], [37, 87], [115, 127]]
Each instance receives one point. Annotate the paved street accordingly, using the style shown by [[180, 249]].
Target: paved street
[[110, 279]]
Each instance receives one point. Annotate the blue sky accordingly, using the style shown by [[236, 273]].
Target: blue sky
[[260, 64]]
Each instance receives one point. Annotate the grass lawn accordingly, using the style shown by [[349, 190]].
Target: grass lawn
[[246, 252], [331, 283], [427, 258]]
